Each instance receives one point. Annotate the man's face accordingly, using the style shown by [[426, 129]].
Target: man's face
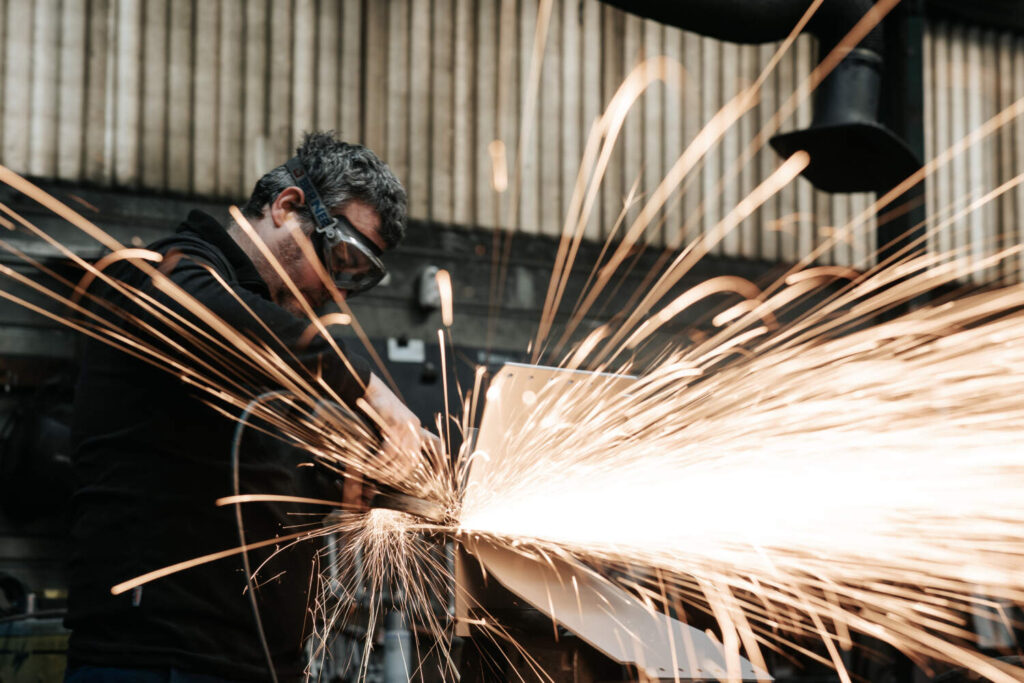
[[304, 274]]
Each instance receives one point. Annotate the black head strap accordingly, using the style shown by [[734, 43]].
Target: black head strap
[[324, 220]]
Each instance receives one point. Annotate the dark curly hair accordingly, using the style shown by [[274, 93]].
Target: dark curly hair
[[341, 172]]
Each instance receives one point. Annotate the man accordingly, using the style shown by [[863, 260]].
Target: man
[[153, 452]]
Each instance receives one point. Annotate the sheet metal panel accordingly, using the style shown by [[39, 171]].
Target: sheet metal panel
[[17, 85], [206, 84], [574, 127], [766, 230], [71, 90], [613, 187], [231, 107], [199, 98], [508, 102], [254, 144], [374, 68], [418, 181], [484, 122], [526, 216], [42, 127], [441, 111], [351, 85], [1006, 207], [710, 103], [549, 195], [1016, 231], [971, 75], [464, 141], [807, 235], [632, 130], [728, 177], [181, 109], [672, 135], [592, 97], [692, 123], [749, 70]]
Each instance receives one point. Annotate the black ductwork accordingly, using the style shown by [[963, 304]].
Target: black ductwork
[[758, 21], [850, 150]]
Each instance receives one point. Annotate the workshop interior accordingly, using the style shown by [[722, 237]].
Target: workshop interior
[[596, 190]]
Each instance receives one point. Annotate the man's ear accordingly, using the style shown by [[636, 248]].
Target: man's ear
[[285, 204]]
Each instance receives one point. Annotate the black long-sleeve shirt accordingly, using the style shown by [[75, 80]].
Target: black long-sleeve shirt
[[151, 458]]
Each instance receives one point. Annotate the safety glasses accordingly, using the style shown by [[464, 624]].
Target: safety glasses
[[351, 259]]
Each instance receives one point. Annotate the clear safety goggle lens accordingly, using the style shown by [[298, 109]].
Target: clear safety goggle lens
[[350, 262]]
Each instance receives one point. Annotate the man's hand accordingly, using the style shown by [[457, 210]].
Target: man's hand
[[400, 428]]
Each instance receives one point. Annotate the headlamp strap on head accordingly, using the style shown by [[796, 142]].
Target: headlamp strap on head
[[324, 220]]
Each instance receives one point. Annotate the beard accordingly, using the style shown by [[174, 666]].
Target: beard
[[294, 264], [288, 302]]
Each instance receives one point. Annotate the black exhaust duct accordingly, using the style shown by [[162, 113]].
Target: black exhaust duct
[[850, 150]]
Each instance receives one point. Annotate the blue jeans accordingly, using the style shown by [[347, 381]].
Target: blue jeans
[[110, 674]]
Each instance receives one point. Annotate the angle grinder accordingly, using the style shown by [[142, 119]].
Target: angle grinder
[[389, 499], [384, 497]]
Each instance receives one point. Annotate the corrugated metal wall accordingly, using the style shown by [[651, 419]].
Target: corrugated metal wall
[[971, 74], [198, 97]]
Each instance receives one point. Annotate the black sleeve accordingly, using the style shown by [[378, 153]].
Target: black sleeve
[[255, 318]]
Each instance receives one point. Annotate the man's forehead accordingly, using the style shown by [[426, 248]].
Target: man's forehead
[[365, 219]]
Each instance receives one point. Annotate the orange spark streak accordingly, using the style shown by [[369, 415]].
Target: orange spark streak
[[113, 257], [785, 174], [444, 388], [618, 108], [313, 329], [444, 286], [195, 562], [271, 498], [499, 165]]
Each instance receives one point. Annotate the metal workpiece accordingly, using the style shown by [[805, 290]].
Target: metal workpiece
[[494, 582], [610, 619]]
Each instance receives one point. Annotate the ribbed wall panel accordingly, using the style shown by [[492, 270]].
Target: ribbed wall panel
[[971, 75], [198, 97]]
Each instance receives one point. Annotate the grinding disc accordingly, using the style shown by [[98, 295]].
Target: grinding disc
[[401, 502]]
